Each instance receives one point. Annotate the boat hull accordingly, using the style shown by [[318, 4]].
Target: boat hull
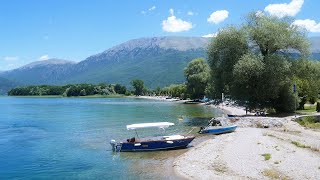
[[154, 145], [219, 130]]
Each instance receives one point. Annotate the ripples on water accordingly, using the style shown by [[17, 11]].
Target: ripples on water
[[69, 137]]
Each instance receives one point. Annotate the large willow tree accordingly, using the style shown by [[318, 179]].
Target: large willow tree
[[223, 53], [258, 62]]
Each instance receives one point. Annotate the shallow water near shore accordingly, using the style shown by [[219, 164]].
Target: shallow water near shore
[[69, 137]]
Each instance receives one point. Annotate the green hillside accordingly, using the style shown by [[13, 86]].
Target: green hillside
[[161, 69]]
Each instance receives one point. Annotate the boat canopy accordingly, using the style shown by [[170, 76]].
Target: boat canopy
[[150, 125]]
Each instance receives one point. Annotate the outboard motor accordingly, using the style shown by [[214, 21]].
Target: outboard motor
[[115, 146], [201, 128]]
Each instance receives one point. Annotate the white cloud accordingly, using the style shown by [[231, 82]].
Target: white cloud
[[190, 13], [44, 57], [11, 58], [285, 9], [152, 8], [171, 12], [218, 16], [309, 24], [173, 24], [210, 35]]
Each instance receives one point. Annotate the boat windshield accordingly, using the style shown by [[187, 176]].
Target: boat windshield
[[161, 125]]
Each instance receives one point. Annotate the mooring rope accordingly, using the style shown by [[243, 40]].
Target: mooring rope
[[191, 130]]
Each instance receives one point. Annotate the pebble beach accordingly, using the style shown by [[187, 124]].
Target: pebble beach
[[260, 148], [283, 150]]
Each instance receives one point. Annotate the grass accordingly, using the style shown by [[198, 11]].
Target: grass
[[273, 174], [266, 156], [276, 162], [221, 168], [300, 145], [307, 109], [312, 122]]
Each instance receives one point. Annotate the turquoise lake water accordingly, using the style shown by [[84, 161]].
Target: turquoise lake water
[[68, 138]]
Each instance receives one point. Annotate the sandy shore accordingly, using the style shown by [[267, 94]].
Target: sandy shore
[[162, 98], [294, 151], [239, 155], [234, 110]]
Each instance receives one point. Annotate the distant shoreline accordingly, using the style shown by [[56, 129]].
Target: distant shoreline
[[89, 96]]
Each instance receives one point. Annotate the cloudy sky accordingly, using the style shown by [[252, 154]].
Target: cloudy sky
[[71, 29]]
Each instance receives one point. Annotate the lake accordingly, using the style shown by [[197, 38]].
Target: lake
[[69, 138]]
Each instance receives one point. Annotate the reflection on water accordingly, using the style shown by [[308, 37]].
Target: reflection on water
[[69, 137]]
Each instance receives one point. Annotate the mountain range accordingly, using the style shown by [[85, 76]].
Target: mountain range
[[159, 61]]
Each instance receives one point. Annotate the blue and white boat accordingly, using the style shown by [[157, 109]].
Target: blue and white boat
[[151, 143], [215, 127]]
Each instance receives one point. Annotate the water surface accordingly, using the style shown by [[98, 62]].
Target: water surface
[[69, 137]]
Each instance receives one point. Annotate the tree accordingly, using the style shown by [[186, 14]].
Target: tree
[[83, 92], [224, 52], [138, 86], [120, 89], [261, 75], [247, 74], [197, 75], [274, 39], [307, 78], [270, 35], [177, 90]]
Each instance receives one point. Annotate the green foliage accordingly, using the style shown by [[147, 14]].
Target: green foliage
[[138, 86], [177, 90], [262, 76], [300, 145], [67, 90], [223, 53], [307, 78], [310, 122], [271, 34], [286, 100], [197, 74], [119, 89], [247, 74], [318, 107], [266, 156]]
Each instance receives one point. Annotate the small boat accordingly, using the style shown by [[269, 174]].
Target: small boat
[[151, 143], [215, 127]]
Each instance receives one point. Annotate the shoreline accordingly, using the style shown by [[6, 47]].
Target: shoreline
[[242, 154], [227, 109]]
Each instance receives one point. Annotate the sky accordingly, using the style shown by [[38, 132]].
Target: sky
[[73, 30]]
